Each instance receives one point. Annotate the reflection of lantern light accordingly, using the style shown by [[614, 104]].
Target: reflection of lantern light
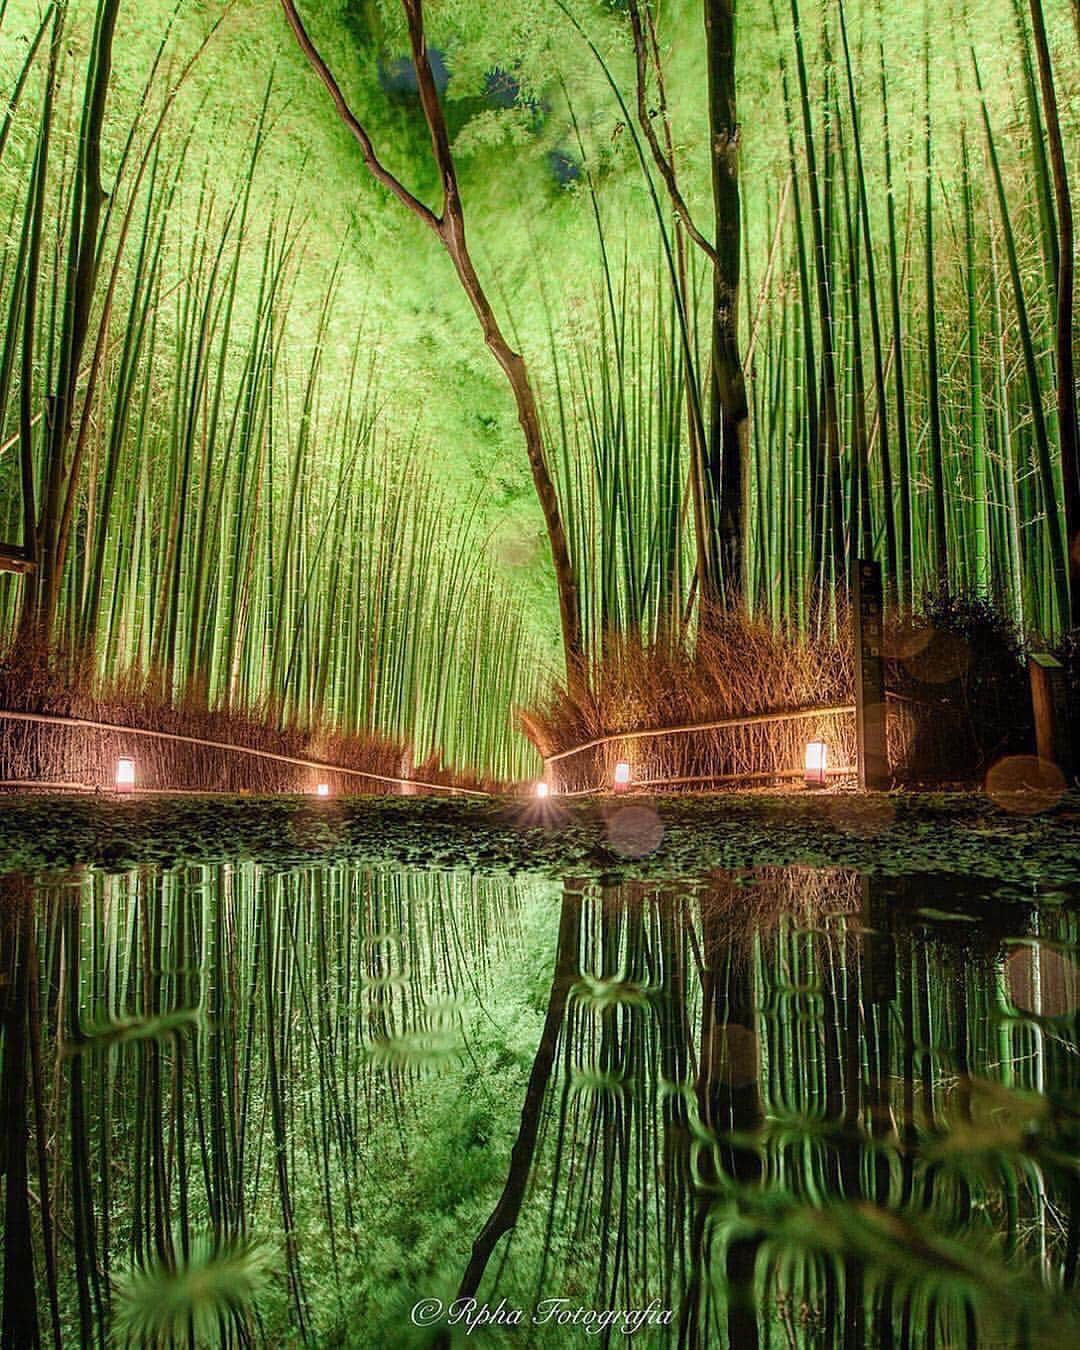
[[817, 754], [125, 775], [542, 790], [622, 776], [323, 790]]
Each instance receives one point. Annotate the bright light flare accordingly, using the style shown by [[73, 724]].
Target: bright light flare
[[125, 775], [543, 791], [621, 777], [817, 755], [323, 790]]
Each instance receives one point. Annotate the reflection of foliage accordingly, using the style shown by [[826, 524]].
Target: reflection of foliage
[[601, 994], [123, 1030], [593, 1081], [433, 1041], [215, 1287], [915, 1257]]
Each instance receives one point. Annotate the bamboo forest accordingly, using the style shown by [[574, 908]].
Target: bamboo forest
[[539, 674]]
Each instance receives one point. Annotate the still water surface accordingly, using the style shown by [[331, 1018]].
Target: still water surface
[[792, 1108]]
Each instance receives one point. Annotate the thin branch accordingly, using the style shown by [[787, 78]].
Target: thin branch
[[666, 168], [767, 278], [377, 169]]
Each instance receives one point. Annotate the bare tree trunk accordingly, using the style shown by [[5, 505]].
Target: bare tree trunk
[[729, 436], [725, 457], [450, 229], [1066, 374]]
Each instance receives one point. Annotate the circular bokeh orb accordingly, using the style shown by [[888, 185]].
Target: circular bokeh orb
[[943, 658], [634, 831], [1025, 784], [906, 639]]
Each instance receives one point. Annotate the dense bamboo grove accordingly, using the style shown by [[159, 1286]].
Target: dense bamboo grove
[[850, 333], [216, 517], [901, 324], [795, 1108]]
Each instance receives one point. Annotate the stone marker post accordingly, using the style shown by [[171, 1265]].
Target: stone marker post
[[867, 603]]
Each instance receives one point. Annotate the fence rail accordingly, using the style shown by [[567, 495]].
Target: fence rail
[[753, 748], [724, 724], [176, 738]]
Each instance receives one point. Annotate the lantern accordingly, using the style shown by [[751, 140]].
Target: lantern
[[125, 775], [816, 757]]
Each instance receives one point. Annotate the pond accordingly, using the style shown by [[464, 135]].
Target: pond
[[345, 1105]]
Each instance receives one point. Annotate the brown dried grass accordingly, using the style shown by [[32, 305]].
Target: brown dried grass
[[55, 685], [958, 700], [739, 667]]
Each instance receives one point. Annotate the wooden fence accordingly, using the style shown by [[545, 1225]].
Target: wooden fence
[[76, 754]]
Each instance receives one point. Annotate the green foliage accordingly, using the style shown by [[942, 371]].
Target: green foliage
[[213, 1289]]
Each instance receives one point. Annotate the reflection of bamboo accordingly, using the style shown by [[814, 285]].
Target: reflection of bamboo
[[728, 1101], [879, 947], [504, 1215], [87, 1265], [675, 1036], [20, 1317]]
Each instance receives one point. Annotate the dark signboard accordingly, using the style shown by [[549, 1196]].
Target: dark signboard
[[867, 601]]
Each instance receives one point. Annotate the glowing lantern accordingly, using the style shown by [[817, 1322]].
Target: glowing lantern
[[622, 776], [817, 755], [542, 790], [323, 790], [125, 775]]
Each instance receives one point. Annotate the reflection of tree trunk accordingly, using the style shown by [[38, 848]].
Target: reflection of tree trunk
[[728, 1101], [675, 1034], [20, 1320], [850, 1146], [879, 994], [505, 1214], [730, 427]]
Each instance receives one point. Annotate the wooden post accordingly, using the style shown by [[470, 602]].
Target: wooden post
[[873, 754], [1050, 704]]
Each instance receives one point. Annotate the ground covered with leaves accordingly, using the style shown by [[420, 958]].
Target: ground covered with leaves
[[894, 834]]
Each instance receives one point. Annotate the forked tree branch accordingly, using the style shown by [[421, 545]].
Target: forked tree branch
[[663, 164], [433, 116], [450, 228], [377, 169]]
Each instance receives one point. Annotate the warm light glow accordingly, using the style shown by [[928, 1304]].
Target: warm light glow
[[817, 754], [125, 775], [542, 790], [622, 775], [323, 790]]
